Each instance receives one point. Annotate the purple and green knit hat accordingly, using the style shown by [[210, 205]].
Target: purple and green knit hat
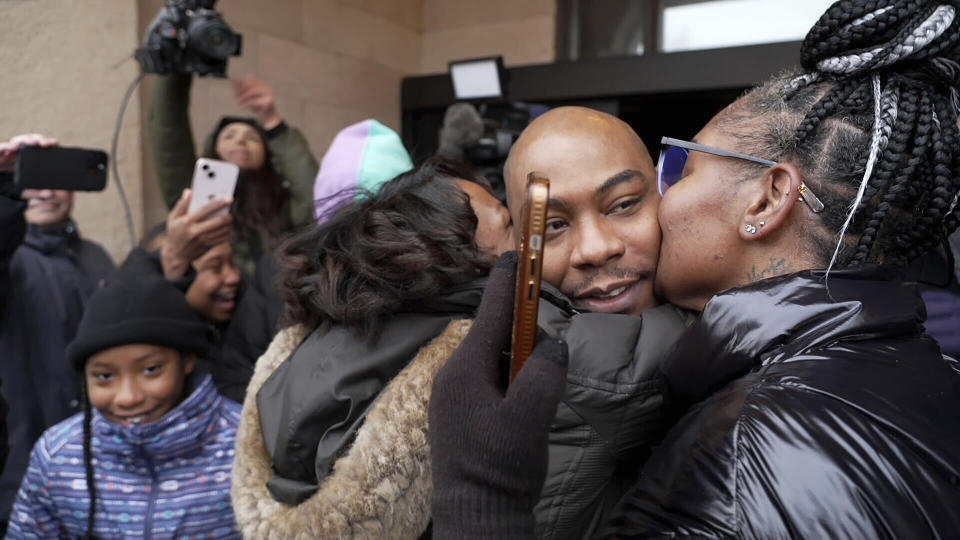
[[360, 159]]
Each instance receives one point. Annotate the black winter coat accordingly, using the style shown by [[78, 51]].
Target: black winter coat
[[809, 417], [252, 327], [45, 280]]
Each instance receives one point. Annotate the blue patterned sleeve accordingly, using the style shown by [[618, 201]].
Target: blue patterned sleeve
[[34, 513]]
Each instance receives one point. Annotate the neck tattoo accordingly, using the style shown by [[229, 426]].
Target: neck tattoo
[[776, 267]]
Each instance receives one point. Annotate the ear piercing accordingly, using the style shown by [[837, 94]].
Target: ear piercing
[[762, 224], [750, 229]]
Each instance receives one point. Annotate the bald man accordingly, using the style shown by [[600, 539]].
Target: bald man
[[601, 248], [602, 238]]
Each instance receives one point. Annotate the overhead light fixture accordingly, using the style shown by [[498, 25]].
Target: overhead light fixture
[[479, 79]]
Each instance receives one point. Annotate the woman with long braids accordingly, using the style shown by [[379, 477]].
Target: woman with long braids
[[150, 455], [809, 401]]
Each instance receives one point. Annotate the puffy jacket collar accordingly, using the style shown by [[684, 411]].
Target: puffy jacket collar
[[182, 428], [783, 316], [52, 238]]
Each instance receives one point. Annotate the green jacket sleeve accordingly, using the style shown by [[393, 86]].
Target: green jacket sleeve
[[169, 134], [292, 158]]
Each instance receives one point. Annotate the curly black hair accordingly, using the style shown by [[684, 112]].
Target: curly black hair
[[409, 241]]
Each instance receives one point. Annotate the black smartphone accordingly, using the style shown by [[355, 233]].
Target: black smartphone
[[59, 167]]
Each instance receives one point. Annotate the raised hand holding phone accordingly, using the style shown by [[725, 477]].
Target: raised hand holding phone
[[191, 234], [533, 218]]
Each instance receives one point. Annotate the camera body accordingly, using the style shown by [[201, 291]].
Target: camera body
[[188, 36], [502, 125]]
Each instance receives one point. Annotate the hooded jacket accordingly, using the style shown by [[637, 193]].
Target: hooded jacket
[[169, 478], [174, 156], [379, 488], [312, 405], [813, 413], [48, 274]]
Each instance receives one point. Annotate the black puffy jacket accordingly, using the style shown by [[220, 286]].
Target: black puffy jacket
[[809, 417]]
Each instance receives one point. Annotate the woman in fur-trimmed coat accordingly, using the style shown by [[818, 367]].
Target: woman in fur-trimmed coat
[[380, 489], [332, 440]]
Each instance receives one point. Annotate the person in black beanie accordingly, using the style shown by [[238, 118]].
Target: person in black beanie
[[149, 422]]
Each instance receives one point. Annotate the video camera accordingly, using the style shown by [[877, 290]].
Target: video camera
[[188, 36]]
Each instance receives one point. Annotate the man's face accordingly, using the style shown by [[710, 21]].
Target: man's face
[[213, 293], [47, 206], [602, 238]]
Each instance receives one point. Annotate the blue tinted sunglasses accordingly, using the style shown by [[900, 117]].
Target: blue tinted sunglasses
[[673, 156]]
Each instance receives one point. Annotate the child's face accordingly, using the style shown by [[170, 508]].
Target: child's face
[[136, 383]]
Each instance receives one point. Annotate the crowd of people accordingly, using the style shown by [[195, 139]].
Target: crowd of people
[[755, 336]]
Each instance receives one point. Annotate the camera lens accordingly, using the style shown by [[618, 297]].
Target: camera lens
[[212, 38], [210, 174], [204, 166]]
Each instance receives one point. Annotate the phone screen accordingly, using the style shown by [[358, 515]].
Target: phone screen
[[533, 218]]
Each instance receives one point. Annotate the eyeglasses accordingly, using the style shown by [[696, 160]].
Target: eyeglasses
[[673, 156]]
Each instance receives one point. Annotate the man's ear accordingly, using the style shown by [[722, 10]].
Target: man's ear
[[779, 191]]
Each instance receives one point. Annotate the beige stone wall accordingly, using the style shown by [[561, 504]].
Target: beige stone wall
[[330, 62], [522, 31], [64, 75]]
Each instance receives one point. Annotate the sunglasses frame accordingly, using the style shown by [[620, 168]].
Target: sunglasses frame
[[806, 195]]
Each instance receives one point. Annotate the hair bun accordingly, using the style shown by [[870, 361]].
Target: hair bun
[[858, 36]]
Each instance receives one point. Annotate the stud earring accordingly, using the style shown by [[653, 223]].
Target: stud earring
[[750, 229], [762, 224]]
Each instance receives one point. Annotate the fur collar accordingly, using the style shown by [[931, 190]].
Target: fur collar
[[380, 489]]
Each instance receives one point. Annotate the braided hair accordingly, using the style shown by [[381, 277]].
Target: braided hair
[[88, 458], [871, 121]]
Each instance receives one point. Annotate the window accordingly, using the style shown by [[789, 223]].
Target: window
[[709, 24]]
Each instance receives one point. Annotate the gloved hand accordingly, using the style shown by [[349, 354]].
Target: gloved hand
[[489, 447]]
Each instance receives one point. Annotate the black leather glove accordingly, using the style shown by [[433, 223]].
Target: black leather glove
[[489, 447]]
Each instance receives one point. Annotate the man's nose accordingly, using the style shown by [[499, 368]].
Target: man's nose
[[597, 244]]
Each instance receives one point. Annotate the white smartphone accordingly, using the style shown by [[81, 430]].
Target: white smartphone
[[212, 179]]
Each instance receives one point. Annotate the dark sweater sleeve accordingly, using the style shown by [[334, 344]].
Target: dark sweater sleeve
[[169, 134], [13, 227]]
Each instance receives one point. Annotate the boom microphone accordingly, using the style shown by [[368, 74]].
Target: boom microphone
[[462, 129]]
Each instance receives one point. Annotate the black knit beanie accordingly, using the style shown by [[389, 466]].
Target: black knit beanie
[[138, 305]]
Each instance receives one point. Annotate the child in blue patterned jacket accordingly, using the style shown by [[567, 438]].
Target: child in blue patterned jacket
[[150, 456]]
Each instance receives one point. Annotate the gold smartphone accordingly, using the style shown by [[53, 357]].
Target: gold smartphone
[[533, 218]]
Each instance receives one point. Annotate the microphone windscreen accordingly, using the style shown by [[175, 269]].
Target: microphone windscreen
[[462, 128]]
